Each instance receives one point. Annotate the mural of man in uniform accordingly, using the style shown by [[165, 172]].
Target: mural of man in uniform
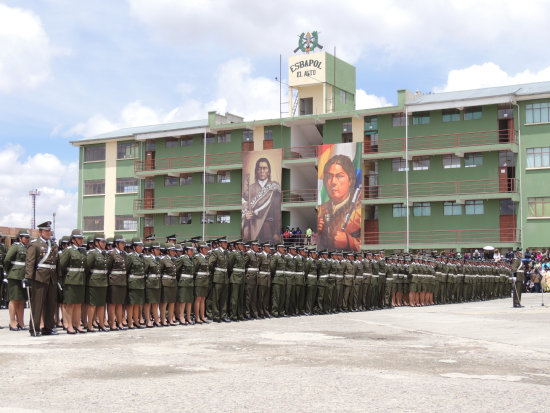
[[261, 205]]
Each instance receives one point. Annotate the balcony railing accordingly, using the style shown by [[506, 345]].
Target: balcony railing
[[430, 189], [299, 195], [188, 202], [451, 140], [216, 159], [479, 237]]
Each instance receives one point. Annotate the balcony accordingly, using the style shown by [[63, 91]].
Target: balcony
[[475, 238], [486, 188], [297, 198], [439, 143], [189, 203]]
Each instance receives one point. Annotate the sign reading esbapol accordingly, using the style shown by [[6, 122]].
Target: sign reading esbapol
[[339, 197], [261, 195]]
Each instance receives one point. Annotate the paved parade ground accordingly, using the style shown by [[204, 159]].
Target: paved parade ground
[[480, 356]]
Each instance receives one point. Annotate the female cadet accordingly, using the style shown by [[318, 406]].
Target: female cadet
[[202, 279], [169, 285], [14, 265], [116, 292], [73, 262], [152, 285], [96, 292], [184, 270], [135, 268]]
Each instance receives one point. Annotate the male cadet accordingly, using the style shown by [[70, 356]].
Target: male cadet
[[236, 265], [218, 264], [311, 273], [290, 277], [349, 275], [389, 271], [252, 265], [337, 276], [172, 239], [381, 279], [264, 281], [299, 281], [517, 269], [42, 272], [367, 281], [277, 267], [358, 283], [323, 294]]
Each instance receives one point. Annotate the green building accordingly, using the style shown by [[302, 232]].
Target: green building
[[456, 170]]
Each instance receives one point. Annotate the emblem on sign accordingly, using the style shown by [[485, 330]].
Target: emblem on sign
[[308, 42]]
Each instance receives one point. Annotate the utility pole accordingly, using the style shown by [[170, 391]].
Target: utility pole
[[33, 194]]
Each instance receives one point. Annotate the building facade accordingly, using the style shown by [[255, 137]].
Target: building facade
[[456, 170]]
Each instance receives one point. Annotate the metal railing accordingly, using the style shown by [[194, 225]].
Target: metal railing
[[299, 195], [188, 201], [451, 140], [427, 189], [435, 237]]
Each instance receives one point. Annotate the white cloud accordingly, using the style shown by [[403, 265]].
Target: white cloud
[[26, 50], [365, 101], [56, 182], [490, 74]]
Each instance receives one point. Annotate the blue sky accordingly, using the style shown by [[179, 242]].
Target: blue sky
[[71, 68]]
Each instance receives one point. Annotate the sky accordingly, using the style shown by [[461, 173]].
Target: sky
[[72, 68]]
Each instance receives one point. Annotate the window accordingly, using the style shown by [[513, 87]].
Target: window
[[452, 208], [506, 158], [474, 207], [421, 118], [248, 136], [93, 223], [346, 127], [537, 112], [223, 218], [209, 219], [210, 139], [347, 135], [399, 119], [539, 207], [185, 218], [171, 220], [472, 113], [399, 210], [451, 161], [398, 165], [538, 157], [94, 187], [342, 96], [507, 207], [450, 115], [186, 179], [94, 153], [421, 163], [268, 135], [148, 222], [210, 178], [172, 142], [473, 160], [224, 177], [149, 184], [150, 145], [126, 185], [125, 223], [422, 209], [306, 106], [126, 150], [371, 123], [224, 137], [170, 181], [187, 141]]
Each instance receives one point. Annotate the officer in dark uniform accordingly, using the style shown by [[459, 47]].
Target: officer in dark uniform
[[218, 265], [42, 273], [236, 268], [517, 269], [311, 278]]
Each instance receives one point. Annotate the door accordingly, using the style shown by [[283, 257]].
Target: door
[[508, 219], [371, 231], [149, 160]]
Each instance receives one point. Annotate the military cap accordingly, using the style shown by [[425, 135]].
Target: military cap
[[254, 242], [189, 246], [47, 226], [173, 236], [222, 239], [266, 244], [137, 241], [349, 253], [150, 237], [147, 245], [203, 245], [280, 245], [119, 238], [301, 248], [169, 246], [110, 241], [77, 233], [100, 236], [22, 233], [64, 239], [292, 247], [178, 247], [155, 244], [239, 241]]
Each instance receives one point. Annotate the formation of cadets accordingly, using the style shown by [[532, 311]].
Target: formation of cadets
[[111, 285]]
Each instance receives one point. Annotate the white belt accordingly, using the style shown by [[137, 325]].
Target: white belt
[[153, 276], [389, 279], [75, 269], [17, 263], [339, 276], [381, 273], [221, 269], [280, 272], [137, 277], [99, 271], [47, 266], [117, 272], [203, 273], [366, 274], [265, 273], [349, 275], [253, 269], [359, 276], [311, 276], [170, 277], [187, 276], [374, 275], [323, 276], [238, 269]]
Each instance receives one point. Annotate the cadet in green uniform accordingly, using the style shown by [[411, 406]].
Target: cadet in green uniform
[[277, 268], [367, 281], [218, 263], [389, 271], [517, 269], [169, 286], [349, 275], [264, 281], [290, 281], [116, 292], [338, 272], [135, 268], [300, 282], [323, 270], [96, 283], [184, 270], [236, 266], [14, 266], [252, 265], [202, 279], [357, 283], [381, 263], [311, 276], [73, 270], [153, 287], [3, 272]]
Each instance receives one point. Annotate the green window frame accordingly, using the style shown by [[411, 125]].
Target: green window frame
[[399, 210], [450, 115], [472, 113], [538, 207], [537, 113], [371, 123], [473, 160], [474, 207], [421, 118], [538, 157]]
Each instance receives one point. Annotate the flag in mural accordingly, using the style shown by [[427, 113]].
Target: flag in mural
[[339, 186], [261, 195]]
